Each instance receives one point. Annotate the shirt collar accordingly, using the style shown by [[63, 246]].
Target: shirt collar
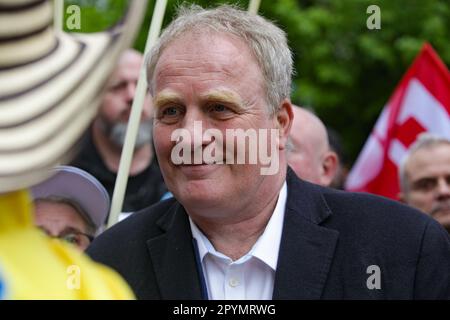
[[203, 244], [266, 247]]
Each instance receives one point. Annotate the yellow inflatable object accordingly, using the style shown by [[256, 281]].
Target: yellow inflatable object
[[33, 266]]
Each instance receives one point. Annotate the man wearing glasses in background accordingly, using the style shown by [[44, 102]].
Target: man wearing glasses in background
[[72, 205]]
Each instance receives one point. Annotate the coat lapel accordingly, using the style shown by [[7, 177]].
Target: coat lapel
[[173, 257], [306, 249], [305, 256]]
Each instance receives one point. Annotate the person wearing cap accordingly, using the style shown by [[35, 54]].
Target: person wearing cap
[[102, 148], [71, 205], [50, 86]]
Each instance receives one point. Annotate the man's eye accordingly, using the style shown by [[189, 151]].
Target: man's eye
[[170, 114], [71, 238], [425, 184], [118, 86], [447, 179], [218, 108], [170, 111]]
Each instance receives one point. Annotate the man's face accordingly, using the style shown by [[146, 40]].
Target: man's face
[[116, 105], [213, 79], [63, 221], [428, 179], [304, 158], [308, 147]]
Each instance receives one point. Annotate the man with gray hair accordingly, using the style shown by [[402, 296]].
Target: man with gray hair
[[425, 177], [232, 231]]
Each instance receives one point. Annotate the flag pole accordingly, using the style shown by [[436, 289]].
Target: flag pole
[[253, 6], [58, 14], [135, 118]]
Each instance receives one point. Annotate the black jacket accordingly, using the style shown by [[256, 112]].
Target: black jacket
[[330, 239], [143, 189]]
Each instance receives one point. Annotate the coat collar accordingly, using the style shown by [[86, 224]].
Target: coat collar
[[173, 258], [307, 248], [305, 256]]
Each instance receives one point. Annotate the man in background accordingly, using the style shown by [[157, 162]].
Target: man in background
[[335, 141], [425, 177], [309, 154], [100, 156]]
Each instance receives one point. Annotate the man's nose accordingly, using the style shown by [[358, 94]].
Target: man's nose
[[130, 91], [194, 122], [443, 188]]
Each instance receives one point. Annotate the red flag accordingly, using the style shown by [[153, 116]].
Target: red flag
[[421, 102]]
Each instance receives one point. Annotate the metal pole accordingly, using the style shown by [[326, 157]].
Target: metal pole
[[58, 14], [253, 6], [135, 119]]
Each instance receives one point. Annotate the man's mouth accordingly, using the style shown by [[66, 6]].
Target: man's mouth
[[196, 171], [442, 208], [204, 163]]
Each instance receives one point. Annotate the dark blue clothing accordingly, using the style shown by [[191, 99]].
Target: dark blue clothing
[[143, 189], [330, 239]]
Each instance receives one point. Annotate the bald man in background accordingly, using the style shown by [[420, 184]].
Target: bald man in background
[[309, 154]]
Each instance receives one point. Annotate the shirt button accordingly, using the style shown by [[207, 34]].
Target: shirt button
[[233, 282]]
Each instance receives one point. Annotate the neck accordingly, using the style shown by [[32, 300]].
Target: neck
[[235, 238], [111, 153]]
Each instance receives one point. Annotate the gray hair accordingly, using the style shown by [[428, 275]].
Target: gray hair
[[424, 141], [267, 42]]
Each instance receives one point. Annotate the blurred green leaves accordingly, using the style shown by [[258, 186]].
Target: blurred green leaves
[[344, 71], [96, 15]]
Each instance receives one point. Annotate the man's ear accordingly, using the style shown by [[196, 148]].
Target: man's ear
[[329, 168], [401, 197], [284, 118]]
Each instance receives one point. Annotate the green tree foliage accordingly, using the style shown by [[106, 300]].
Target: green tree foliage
[[344, 71], [347, 72], [96, 15]]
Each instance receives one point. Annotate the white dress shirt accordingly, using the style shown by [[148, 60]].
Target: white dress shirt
[[252, 276]]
